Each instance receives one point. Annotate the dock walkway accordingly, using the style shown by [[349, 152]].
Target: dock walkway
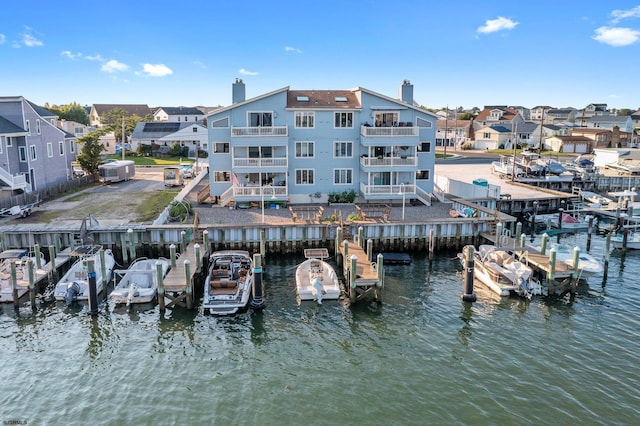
[[176, 285], [366, 279]]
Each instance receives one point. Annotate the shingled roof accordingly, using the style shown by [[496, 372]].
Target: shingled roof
[[332, 99], [7, 127]]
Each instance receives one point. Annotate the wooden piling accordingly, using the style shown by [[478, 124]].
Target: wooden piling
[[352, 276], [132, 246], [257, 300], [469, 264], [14, 286], [380, 271], [432, 244], [188, 283], [589, 231], [607, 250], [93, 291], [552, 265], [205, 242], [172, 255], [198, 257], [160, 279], [370, 250], [543, 244], [32, 284]]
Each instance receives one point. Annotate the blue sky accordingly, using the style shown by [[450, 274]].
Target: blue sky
[[462, 53]]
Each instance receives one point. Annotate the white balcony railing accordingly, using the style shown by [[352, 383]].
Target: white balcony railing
[[393, 191], [260, 162], [243, 132], [389, 131], [18, 181], [388, 161], [259, 192]]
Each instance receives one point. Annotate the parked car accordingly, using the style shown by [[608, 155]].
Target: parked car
[[186, 170], [78, 172]]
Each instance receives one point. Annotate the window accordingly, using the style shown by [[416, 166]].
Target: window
[[343, 119], [341, 99], [72, 146], [301, 98], [386, 119], [260, 119], [61, 147], [195, 129], [424, 147], [186, 118], [305, 118], [422, 175], [342, 176], [1, 139], [222, 177], [220, 147], [9, 142], [423, 123], [27, 127], [486, 135], [222, 122], [32, 152], [49, 149], [342, 149], [38, 126], [304, 177], [304, 149], [22, 153]]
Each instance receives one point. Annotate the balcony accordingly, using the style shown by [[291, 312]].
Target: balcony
[[388, 161], [255, 163], [388, 191], [247, 132], [393, 131], [258, 192]]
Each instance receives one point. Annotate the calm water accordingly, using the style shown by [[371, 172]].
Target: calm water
[[423, 357]]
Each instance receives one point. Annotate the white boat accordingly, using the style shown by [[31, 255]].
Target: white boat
[[139, 283], [587, 264], [315, 278], [502, 273], [633, 241], [532, 163], [6, 286], [569, 223], [227, 288], [74, 284], [504, 167]]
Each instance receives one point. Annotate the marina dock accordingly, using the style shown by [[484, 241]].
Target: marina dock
[[364, 276], [177, 285]]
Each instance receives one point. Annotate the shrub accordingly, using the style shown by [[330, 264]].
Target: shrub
[[342, 197]]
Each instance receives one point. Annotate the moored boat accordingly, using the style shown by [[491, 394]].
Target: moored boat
[[6, 286], [139, 283], [74, 284], [502, 273], [315, 278], [227, 288], [588, 265]]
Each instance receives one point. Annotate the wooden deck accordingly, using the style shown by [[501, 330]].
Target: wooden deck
[[366, 274], [175, 280]]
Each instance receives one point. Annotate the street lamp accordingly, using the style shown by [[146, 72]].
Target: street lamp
[[273, 197], [403, 198]]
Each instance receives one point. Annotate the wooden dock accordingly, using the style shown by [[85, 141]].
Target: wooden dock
[[366, 281], [178, 283]]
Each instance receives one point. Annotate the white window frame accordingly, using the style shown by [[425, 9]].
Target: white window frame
[[28, 127], [343, 176], [306, 144], [9, 142], [61, 148], [38, 127], [305, 120], [72, 146], [49, 149], [305, 177], [338, 119], [344, 146], [221, 145], [421, 144], [224, 121], [261, 119], [33, 153], [421, 122], [380, 118], [222, 176], [22, 154]]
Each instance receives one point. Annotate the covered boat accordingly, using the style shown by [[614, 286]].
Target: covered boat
[[139, 283], [74, 285], [315, 278], [227, 288], [6, 286]]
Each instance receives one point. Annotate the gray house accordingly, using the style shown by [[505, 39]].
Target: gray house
[[34, 153]]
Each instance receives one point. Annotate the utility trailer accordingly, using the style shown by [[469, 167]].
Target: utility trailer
[[117, 171]]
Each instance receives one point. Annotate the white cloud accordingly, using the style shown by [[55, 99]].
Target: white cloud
[[292, 49], [156, 70], [68, 54], [112, 66], [619, 15], [498, 24], [246, 72], [616, 36], [94, 58], [2, 38], [200, 64], [30, 41]]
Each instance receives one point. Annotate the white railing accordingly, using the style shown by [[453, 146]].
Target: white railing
[[261, 162], [260, 191], [397, 191], [389, 131], [259, 131], [14, 182], [388, 161]]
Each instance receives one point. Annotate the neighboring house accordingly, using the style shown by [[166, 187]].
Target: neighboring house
[[540, 133], [34, 153], [604, 138], [624, 123], [453, 132], [301, 145], [539, 113], [165, 134], [561, 115], [178, 114], [76, 129], [591, 110], [141, 110], [497, 115], [573, 144], [494, 137]]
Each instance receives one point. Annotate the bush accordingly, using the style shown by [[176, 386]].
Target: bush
[[342, 197], [180, 211]]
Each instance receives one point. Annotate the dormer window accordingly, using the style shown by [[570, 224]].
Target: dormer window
[[341, 99], [302, 98]]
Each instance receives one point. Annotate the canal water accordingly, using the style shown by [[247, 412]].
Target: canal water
[[422, 357]]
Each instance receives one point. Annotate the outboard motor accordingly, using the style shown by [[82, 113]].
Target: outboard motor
[[73, 290], [133, 292]]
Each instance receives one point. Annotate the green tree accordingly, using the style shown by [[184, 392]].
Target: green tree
[[89, 158], [625, 111], [466, 116], [112, 121], [72, 112]]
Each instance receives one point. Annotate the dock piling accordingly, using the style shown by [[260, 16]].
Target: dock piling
[[172, 255], [93, 290], [370, 250], [543, 244], [257, 301], [469, 264], [32, 284], [160, 279], [36, 249], [607, 250], [431, 244], [132, 246], [188, 283], [552, 265], [196, 247], [589, 231], [205, 241], [353, 274], [14, 285]]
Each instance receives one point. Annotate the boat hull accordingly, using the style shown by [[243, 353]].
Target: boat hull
[[139, 284], [228, 286], [77, 277], [326, 287]]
